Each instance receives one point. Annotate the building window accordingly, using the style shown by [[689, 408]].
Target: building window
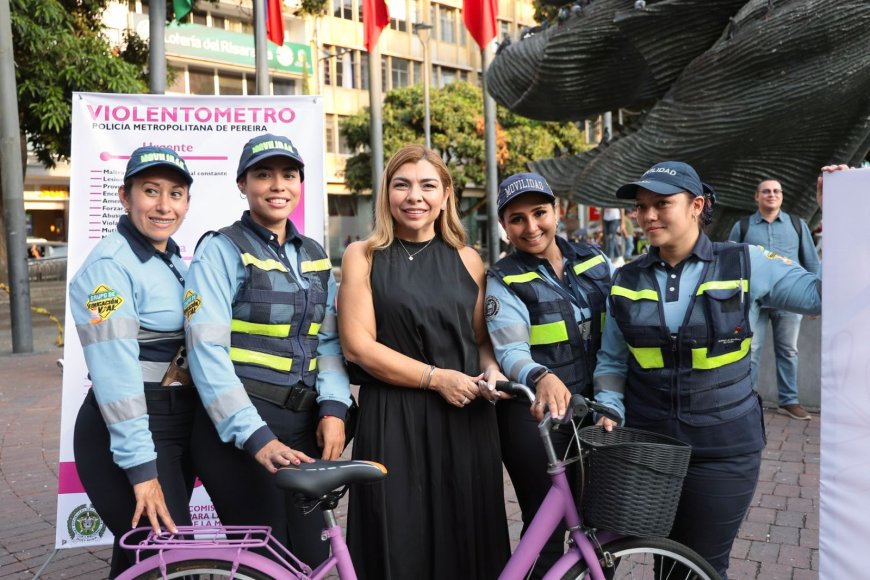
[[399, 73], [178, 85], [342, 205], [364, 72], [201, 81], [199, 17], [326, 64], [504, 29], [251, 83], [343, 9], [448, 75], [329, 133], [218, 22], [418, 72], [230, 83], [445, 24], [398, 15], [385, 76], [284, 86], [344, 68]]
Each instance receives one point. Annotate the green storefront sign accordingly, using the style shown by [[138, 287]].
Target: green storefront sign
[[212, 44]]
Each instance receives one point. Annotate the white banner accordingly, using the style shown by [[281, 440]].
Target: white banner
[[209, 132], [845, 465]]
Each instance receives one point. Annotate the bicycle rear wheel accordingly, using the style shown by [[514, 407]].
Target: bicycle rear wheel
[[649, 558], [204, 570]]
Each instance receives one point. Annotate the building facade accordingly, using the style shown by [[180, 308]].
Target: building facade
[[211, 53]]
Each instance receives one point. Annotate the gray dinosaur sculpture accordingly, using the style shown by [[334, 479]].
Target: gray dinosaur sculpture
[[741, 90]]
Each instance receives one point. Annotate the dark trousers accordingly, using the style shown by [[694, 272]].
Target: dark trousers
[[526, 462], [716, 494], [244, 493], [170, 420]]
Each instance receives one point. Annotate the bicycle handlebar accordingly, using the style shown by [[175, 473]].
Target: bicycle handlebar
[[578, 408]]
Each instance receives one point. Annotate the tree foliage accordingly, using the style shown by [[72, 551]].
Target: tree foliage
[[59, 50], [457, 129]]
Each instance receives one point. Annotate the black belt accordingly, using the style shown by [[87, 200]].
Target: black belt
[[292, 398]]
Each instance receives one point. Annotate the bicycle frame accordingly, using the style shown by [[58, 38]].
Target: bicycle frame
[[557, 506]]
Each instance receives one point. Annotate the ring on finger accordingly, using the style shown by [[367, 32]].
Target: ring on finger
[[539, 404], [465, 401]]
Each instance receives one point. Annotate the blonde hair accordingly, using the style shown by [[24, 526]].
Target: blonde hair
[[447, 225]]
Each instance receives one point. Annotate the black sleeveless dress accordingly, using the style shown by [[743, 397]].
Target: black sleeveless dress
[[440, 511]]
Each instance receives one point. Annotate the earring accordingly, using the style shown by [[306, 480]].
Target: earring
[[242, 195]]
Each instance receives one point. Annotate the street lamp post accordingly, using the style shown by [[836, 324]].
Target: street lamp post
[[421, 29]]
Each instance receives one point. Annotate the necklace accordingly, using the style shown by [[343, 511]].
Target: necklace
[[410, 255]]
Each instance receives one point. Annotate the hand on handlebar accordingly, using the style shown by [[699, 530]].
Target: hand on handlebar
[[486, 384], [608, 424], [551, 394]]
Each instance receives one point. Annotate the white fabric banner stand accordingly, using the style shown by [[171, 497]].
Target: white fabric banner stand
[[845, 465], [209, 132]]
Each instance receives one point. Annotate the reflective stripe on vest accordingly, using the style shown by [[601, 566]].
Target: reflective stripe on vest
[[634, 294], [279, 330], [266, 265], [315, 265], [648, 357], [742, 285], [701, 361], [590, 263], [278, 363], [549, 333], [520, 278]]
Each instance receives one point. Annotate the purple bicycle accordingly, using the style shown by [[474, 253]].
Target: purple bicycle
[[226, 552]]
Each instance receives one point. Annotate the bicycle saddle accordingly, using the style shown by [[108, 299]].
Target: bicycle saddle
[[321, 477]]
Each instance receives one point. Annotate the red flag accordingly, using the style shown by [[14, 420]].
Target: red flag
[[480, 19], [375, 17], [274, 22]]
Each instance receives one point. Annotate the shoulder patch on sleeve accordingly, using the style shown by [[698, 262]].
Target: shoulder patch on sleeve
[[192, 302], [774, 256], [491, 306], [102, 302]]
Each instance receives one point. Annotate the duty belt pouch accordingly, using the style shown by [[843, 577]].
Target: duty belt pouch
[[178, 373], [301, 399]]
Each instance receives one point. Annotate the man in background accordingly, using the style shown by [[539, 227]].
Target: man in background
[[789, 237]]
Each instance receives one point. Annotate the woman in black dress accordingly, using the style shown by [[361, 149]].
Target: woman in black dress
[[411, 320]]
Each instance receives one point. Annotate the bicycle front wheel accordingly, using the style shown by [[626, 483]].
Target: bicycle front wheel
[[204, 570], [649, 558]]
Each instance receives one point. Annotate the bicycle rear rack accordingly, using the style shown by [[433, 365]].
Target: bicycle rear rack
[[238, 538]]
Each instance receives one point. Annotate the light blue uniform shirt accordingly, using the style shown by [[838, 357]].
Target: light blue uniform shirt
[[774, 282], [125, 288], [216, 275], [780, 236]]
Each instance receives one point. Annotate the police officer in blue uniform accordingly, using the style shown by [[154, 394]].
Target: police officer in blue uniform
[[263, 345], [132, 433], [675, 353], [545, 304]]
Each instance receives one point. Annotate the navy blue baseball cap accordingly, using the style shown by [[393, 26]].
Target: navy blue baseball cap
[[266, 146], [147, 157], [667, 178], [520, 183]]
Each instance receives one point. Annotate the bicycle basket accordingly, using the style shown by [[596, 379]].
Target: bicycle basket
[[633, 480]]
